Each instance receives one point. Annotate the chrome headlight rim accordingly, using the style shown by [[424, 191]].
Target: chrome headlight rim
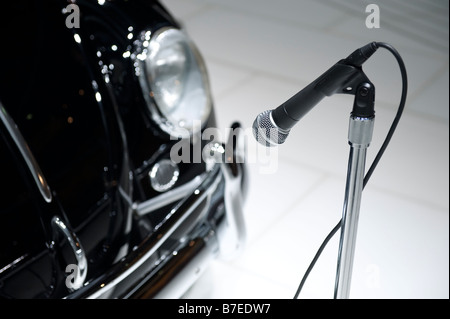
[[142, 52]]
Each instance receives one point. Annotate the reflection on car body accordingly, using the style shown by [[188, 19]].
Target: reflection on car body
[[92, 205]]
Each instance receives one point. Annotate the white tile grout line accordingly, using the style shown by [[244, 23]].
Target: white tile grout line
[[428, 82], [326, 174], [249, 77], [405, 31], [279, 215], [345, 10], [237, 267]]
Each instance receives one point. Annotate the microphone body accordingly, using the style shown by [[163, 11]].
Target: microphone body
[[272, 127]]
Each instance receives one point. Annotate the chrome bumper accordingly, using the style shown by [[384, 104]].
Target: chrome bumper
[[200, 235]]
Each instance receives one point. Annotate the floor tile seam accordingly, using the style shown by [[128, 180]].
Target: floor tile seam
[[435, 77], [409, 198], [385, 190], [420, 39], [328, 29], [417, 114], [275, 20], [278, 216], [201, 10], [250, 76], [245, 270], [257, 72]]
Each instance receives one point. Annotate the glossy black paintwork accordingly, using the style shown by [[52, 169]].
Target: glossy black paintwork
[[87, 147]]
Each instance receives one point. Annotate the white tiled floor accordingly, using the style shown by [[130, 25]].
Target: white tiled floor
[[259, 53]]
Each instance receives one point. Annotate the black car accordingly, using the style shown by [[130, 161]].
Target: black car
[[109, 188]]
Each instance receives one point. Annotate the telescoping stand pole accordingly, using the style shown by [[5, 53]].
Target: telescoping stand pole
[[359, 137]]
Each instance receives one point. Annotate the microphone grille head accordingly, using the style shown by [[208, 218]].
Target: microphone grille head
[[266, 131]]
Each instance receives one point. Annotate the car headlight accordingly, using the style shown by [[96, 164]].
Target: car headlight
[[174, 81]]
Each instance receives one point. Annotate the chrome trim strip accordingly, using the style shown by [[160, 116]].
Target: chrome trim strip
[[26, 153], [82, 265], [229, 237], [166, 198], [13, 263], [180, 272], [102, 285]]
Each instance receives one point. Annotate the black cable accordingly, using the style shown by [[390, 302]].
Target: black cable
[[377, 158], [399, 111], [316, 257]]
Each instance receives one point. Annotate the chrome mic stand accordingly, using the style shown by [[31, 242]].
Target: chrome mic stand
[[359, 137]]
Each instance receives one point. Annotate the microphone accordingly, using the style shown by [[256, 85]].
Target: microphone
[[272, 127]]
